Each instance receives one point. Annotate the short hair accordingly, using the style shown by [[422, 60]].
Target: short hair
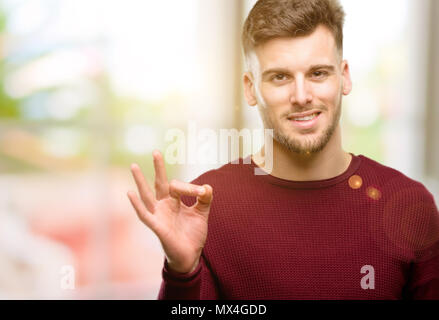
[[271, 19]]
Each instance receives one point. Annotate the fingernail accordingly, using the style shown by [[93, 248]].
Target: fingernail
[[201, 191]]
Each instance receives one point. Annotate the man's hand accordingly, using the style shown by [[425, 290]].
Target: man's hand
[[182, 230]]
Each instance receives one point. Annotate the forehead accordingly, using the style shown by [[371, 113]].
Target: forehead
[[299, 52]]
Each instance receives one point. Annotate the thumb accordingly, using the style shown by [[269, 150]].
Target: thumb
[[204, 200]]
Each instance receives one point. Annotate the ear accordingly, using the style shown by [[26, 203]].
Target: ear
[[347, 82], [249, 89]]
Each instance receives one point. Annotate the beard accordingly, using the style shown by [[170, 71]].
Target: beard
[[301, 144]]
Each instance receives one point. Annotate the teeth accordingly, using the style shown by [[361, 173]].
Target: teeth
[[306, 118]]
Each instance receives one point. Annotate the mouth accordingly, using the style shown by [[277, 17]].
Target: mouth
[[305, 121]]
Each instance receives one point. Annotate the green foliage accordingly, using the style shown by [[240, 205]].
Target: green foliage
[[2, 20], [8, 106]]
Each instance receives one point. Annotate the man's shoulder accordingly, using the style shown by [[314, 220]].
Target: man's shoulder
[[393, 181], [409, 215], [387, 173]]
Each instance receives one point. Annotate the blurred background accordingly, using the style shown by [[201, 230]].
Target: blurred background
[[88, 87]]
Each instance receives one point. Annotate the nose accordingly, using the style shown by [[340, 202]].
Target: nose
[[300, 92]]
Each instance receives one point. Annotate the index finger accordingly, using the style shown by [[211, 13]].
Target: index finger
[[204, 200], [179, 188]]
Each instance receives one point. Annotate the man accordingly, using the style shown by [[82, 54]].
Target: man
[[325, 223]]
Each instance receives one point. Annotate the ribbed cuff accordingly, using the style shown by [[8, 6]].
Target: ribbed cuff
[[180, 286], [169, 274]]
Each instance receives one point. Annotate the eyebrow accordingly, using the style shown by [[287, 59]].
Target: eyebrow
[[328, 67]]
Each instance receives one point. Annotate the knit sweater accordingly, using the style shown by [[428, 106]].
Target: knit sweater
[[369, 233]]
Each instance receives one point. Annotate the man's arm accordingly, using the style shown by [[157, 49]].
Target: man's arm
[[424, 282], [424, 275]]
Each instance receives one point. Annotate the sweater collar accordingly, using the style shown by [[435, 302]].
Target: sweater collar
[[314, 184]]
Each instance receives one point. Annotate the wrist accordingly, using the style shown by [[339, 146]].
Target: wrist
[[175, 268]]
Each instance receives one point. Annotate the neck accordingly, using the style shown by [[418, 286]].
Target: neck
[[328, 163]]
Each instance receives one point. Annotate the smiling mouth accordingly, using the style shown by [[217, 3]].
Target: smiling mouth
[[306, 118], [305, 122]]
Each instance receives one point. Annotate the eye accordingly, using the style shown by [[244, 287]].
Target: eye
[[319, 74], [279, 77]]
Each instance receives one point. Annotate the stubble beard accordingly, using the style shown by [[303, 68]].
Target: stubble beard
[[302, 145]]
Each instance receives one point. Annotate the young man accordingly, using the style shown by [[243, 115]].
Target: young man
[[325, 223]]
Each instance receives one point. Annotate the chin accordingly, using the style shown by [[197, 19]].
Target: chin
[[311, 143]]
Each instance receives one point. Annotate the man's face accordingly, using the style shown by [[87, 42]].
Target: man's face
[[292, 76]]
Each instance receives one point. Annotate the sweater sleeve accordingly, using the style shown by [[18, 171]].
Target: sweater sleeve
[[427, 285], [424, 277], [197, 285]]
